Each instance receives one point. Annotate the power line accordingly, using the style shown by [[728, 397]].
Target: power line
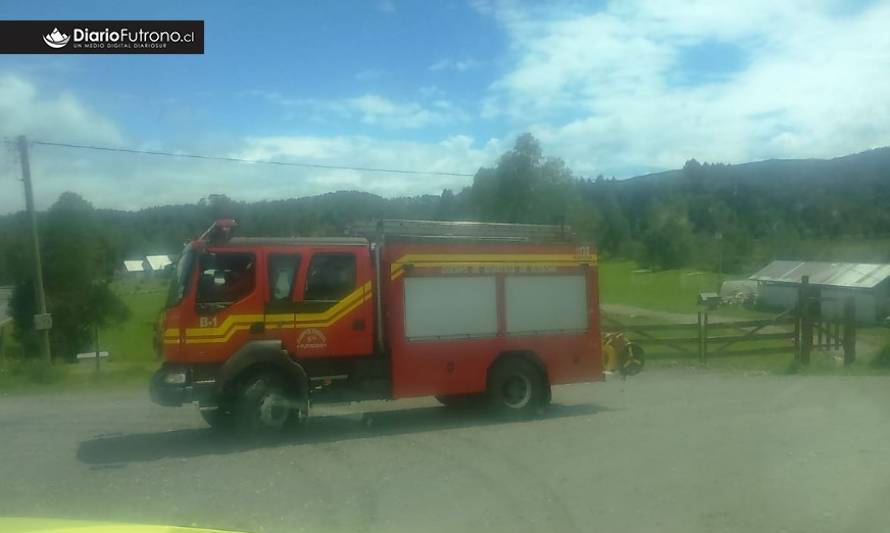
[[252, 161]]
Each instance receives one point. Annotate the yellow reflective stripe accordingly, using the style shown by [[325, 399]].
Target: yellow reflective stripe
[[355, 296], [236, 320], [333, 320], [307, 320], [223, 328], [286, 317], [396, 269], [491, 258], [242, 327], [226, 337]]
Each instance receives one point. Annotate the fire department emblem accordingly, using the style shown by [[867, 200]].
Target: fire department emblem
[[311, 338]]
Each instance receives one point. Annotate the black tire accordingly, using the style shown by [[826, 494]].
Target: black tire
[[263, 406], [462, 401], [516, 387], [632, 360]]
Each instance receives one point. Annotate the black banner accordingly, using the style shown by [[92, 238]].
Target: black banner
[[101, 37]]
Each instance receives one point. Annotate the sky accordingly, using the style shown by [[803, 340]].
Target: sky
[[618, 88]]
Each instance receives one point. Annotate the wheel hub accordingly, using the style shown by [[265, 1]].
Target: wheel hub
[[517, 391], [273, 410]]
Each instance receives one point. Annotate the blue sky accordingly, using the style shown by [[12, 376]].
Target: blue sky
[[618, 88]]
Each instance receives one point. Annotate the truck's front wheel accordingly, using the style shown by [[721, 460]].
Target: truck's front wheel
[[516, 387], [263, 405]]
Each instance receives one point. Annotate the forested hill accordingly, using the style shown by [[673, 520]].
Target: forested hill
[[778, 200], [714, 216], [871, 165]]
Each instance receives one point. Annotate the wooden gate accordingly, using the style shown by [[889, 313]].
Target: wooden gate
[[818, 332], [797, 331], [708, 338]]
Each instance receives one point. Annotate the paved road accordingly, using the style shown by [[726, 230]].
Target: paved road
[[667, 451]]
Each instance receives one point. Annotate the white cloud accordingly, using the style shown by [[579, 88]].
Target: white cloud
[[430, 91], [131, 181], [460, 65], [370, 74], [373, 109], [60, 117], [597, 87], [454, 154]]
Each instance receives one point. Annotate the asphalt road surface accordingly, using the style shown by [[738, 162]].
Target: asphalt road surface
[[666, 451]]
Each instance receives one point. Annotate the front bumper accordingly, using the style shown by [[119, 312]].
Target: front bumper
[[174, 385]]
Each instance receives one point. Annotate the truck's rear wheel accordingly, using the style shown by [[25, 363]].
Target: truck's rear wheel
[[263, 405], [516, 387]]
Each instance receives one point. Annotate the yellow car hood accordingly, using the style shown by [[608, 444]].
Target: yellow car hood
[[46, 525]]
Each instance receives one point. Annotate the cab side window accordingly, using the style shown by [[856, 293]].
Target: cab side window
[[283, 270], [331, 277], [225, 278]]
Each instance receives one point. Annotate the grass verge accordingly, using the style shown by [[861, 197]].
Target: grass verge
[[130, 345]]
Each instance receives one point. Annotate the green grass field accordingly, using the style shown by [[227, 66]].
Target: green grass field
[[132, 340], [623, 282]]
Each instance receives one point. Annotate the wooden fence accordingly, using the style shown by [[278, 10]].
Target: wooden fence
[[796, 332], [707, 338]]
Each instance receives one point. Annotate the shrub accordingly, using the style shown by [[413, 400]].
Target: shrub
[[882, 358], [41, 372]]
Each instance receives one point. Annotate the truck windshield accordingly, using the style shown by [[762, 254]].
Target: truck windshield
[[180, 280]]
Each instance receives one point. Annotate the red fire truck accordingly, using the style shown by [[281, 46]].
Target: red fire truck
[[256, 329]]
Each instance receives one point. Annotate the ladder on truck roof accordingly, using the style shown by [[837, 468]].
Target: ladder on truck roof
[[394, 229]]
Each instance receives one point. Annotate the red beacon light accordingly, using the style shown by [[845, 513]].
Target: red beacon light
[[220, 231]]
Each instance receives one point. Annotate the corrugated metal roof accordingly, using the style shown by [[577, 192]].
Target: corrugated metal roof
[[857, 275], [158, 262], [134, 265]]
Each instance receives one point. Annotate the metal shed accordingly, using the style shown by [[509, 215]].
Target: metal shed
[[867, 283], [157, 263]]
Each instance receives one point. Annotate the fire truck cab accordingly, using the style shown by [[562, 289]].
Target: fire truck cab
[[257, 329]]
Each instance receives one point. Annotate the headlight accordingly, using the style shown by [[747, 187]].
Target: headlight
[[175, 378]]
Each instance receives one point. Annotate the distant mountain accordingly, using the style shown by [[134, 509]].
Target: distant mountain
[[871, 165]]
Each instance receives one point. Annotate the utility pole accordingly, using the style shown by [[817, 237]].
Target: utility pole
[[42, 328], [96, 344]]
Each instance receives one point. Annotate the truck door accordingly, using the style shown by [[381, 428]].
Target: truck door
[[282, 269], [228, 306], [334, 310]]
